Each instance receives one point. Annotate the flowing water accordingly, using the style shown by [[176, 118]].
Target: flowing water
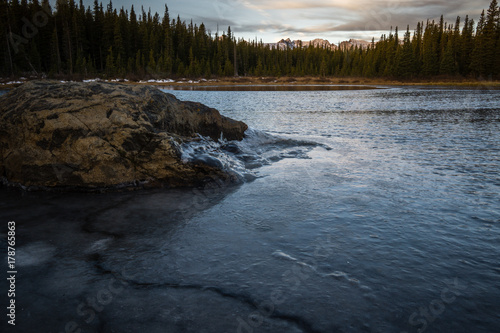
[[371, 210]]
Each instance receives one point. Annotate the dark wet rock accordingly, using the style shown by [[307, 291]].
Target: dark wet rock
[[100, 135], [232, 148]]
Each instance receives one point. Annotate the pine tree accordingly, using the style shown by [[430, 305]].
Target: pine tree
[[56, 55], [466, 47], [139, 64], [110, 63], [417, 44], [391, 50], [430, 55], [228, 68], [405, 58], [151, 63], [448, 65], [477, 58], [118, 40], [489, 33]]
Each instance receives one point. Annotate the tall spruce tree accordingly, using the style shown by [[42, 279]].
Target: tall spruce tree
[[405, 58]]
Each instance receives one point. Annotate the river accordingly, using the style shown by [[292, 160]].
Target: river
[[369, 210]]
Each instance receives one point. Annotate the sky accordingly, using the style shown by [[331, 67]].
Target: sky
[[334, 20]]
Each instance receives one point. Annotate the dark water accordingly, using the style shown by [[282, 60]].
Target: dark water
[[370, 211], [270, 88]]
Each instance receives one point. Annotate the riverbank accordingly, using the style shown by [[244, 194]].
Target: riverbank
[[227, 81]]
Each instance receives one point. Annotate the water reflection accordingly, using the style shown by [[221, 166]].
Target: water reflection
[[271, 88]]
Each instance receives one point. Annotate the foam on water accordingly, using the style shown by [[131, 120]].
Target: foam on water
[[242, 158]]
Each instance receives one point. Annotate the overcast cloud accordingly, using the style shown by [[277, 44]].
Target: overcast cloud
[[335, 20]]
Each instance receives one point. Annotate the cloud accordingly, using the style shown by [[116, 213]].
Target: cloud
[[285, 5], [329, 19], [360, 17]]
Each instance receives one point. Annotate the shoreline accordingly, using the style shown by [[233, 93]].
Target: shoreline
[[277, 81]]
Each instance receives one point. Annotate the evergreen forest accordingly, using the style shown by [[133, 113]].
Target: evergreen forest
[[70, 40]]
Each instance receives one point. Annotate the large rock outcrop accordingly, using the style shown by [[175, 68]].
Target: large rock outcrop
[[101, 135]]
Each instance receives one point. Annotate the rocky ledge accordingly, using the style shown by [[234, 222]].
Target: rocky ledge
[[102, 135]]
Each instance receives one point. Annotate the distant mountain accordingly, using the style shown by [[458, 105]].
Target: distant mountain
[[288, 43], [285, 43], [353, 43], [318, 42]]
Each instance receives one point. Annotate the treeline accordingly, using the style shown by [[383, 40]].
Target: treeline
[[79, 42]]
